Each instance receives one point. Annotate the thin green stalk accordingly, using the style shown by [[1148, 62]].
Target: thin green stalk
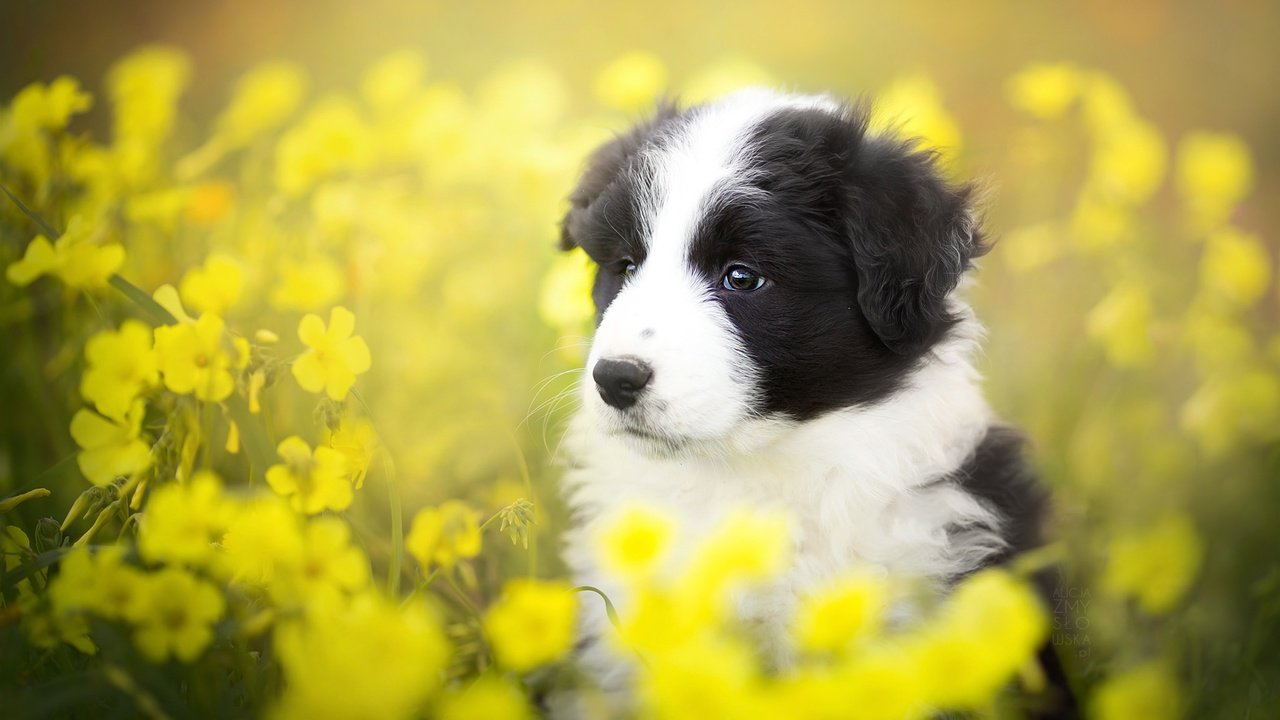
[[527, 478]]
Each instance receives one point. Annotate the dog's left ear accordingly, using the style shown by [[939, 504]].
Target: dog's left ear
[[913, 236]]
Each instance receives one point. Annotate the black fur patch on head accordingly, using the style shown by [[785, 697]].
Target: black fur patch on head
[[860, 239], [604, 216]]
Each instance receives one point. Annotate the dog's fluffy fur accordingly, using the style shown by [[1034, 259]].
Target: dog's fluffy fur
[[841, 391]]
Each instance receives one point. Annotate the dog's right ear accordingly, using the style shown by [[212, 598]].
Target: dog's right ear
[[603, 167]]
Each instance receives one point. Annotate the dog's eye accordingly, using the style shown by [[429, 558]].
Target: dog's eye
[[628, 270], [742, 279]]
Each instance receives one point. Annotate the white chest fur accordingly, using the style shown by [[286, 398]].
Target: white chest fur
[[863, 486]]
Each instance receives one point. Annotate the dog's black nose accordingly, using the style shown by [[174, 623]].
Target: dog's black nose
[[620, 381]]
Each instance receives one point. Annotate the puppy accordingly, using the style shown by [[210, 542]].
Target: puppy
[[778, 327]]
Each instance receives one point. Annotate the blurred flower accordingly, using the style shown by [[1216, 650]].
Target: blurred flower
[[214, 287], [177, 617], [990, 627], [1235, 267], [356, 439], [443, 535], [631, 81], [1045, 90], [263, 540], [110, 447], [121, 365], [331, 139], [911, 108], [328, 564], [368, 659], [1145, 692], [1240, 405], [307, 285], [488, 698], [1121, 322], [263, 99], [74, 258], [193, 359], [313, 481], [393, 80], [532, 623], [144, 88], [702, 677], [334, 358], [1128, 163], [183, 521], [837, 615], [634, 543], [747, 546], [99, 581], [1214, 173], [1155, 564]]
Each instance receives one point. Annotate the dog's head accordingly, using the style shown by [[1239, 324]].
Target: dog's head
[[762, 260]]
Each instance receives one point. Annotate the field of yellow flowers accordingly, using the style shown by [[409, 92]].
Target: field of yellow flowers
[[283, 386]]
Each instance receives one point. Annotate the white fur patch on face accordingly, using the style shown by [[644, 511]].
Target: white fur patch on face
[[704, 385]]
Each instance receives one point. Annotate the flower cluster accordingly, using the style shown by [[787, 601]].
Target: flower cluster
[[308, 358]]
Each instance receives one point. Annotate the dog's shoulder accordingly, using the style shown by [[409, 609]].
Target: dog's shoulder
[[999, 474]]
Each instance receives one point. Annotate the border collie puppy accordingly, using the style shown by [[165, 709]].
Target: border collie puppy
[[778, 328]]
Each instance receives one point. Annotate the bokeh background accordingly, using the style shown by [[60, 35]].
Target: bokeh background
[[1130, 164]]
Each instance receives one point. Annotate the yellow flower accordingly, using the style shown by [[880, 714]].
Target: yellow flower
[[885, 684], [1235, 267], [703, 677], [262, 542], [1128, 163], [1121, 322], [1156, 564], [183, 521], [371, 659], [332, 138], [1146, 692], [214, 287], [193, 358], [1240, 405], [443, 535], [532, 623], [99, 581], [177, 616], [74, 258], [335, 356], [121, 364], [634, 543], [49, 107], [1044, 90], [1214, 173], [110, 447], [313, 481], [328, 564], [488, 698], [356, 439], [841, 613], [631, 81], [911, 107], [144, 88], [393, 80], [264, 98], [307, 285], [990, 627], [745, 547]]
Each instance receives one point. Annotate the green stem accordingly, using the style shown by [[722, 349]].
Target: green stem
[[527, 478], [609, 610]]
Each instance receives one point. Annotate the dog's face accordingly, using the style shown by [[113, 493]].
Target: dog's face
[[762, 261]]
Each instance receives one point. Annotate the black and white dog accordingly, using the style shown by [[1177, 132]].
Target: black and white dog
[[779, 328]]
